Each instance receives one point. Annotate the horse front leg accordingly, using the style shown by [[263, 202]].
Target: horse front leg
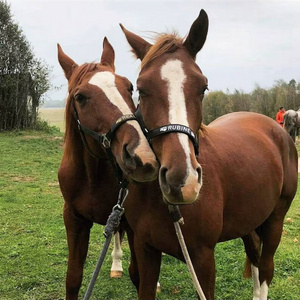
[[203, 260], [116, 270], [78, 233], [148, 261], [133, 267]]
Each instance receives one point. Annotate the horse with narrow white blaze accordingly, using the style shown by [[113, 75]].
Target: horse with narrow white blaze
[[173, 74], [103, 140], [240, 171]]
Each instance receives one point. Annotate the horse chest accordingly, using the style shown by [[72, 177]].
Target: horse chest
[[93, 201]]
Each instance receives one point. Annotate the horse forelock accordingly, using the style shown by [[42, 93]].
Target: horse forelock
[[79, 73], [164, 43]]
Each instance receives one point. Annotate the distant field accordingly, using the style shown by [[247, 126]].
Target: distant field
[[54, 116]]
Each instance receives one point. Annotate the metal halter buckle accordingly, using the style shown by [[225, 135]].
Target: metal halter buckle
[[105, 141]]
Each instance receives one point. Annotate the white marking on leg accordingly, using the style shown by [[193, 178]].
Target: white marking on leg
[[264, 291], [172, 72], [158, 287], [117, 254], [256, 284]]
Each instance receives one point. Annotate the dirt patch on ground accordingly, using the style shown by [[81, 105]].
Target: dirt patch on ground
[[22, 178], [50, 138]]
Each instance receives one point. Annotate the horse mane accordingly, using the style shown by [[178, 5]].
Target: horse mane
[[71, 132], [165, 42], [202, 130]]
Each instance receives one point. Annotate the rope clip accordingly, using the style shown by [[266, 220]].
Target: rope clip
[[123, 193]]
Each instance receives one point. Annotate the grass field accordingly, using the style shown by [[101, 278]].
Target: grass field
[[33, 254]]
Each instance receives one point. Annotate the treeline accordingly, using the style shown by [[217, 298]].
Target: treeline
[[23, 78], [264, 101]]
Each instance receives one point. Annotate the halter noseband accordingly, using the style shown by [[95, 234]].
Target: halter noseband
[[105, 139], [167, 129]]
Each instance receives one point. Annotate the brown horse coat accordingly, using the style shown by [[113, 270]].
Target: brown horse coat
[[99, 98], [247, 171]]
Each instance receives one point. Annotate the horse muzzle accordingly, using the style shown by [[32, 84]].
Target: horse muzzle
[[176, 191], [139, 163]]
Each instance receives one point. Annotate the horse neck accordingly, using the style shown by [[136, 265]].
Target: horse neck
[[83, 162]]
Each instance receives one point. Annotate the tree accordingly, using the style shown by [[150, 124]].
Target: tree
[[215, 104], [24, 79], [263, 101]]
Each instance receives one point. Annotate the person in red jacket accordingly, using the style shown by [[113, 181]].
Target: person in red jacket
[[279, 116]]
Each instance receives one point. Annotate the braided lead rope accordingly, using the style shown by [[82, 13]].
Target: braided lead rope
[[178, 220], [113, 222], [98, 267], [188, 261]]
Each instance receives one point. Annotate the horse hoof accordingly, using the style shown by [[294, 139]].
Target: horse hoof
[[116, 274]]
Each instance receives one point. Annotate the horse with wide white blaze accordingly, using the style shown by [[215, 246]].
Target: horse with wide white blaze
[[102, 138], [242, 182]]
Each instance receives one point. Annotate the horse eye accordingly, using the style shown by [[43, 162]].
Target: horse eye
[[205, 89], [80, 98], [141, 93], [130, 88]]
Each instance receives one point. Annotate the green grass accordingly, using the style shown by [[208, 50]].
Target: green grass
[[33, 249]]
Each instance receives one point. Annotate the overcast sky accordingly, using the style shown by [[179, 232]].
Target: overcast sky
[[248, 42]]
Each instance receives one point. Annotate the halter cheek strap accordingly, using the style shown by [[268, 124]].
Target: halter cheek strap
[[167, 129], [105, 139]]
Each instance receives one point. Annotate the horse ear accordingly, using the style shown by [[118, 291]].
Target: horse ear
[[67, 64], [139, 46], [108, 55], [197, 35]]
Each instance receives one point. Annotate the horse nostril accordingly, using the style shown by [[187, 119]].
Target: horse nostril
[[163, 178], [126, 154], [128, 157], [199, 171]]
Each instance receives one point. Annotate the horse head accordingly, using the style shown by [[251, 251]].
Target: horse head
[[99, 100], [171, 88]]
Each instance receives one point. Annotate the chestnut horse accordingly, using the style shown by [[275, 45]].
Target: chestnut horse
[[241, 184], [99, 102]]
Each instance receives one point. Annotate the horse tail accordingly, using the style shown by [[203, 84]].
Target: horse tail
[[247, 269], [252, 243]]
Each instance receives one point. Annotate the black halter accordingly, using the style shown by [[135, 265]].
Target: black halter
[[105, 139], [167, 129]]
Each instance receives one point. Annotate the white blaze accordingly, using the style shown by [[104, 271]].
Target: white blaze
[[173, 73], [106, 82]]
